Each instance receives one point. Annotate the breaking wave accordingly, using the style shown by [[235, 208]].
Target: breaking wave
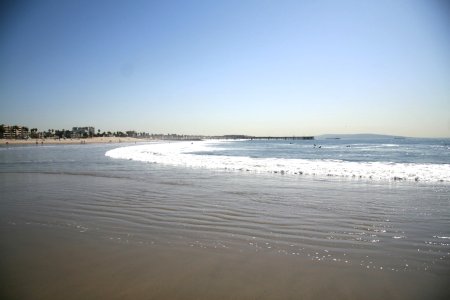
[[201, 155]]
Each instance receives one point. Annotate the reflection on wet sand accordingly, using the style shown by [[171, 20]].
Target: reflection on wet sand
[[68, 265], [75, 224]]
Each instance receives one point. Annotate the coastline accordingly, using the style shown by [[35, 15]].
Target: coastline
[[77, 224], [190, 235], [93, 140]]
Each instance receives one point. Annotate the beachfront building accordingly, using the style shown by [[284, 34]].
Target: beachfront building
[[13, 132], [83, 132]]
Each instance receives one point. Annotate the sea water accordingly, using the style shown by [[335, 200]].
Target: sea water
[[229, 215], [382, 159]]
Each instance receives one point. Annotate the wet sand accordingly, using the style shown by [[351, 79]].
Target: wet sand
[[44, 263], [75, 224]]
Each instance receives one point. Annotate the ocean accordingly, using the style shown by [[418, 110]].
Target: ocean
[[241, 219], [379, 159]]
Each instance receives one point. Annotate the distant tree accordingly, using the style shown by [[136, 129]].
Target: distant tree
[[131, 133], [34, 133]]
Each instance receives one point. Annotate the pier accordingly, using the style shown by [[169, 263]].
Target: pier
[[282, 138]]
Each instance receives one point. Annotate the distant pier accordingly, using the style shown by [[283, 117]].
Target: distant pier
[[282, 138]]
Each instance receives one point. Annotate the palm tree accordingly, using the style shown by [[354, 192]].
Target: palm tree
[[33, 133]]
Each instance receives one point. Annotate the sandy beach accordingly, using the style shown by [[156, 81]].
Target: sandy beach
[[78, 224], [55, 141]]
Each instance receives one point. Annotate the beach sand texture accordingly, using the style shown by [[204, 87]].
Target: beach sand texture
[[43, 263], [76, 224]]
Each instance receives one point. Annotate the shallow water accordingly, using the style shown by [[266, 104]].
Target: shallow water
[[175, 232]]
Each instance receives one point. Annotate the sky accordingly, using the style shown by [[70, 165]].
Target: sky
[[228, 67]]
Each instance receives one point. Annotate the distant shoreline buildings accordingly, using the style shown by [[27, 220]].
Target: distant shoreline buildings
[[23, 132], [13, 132]]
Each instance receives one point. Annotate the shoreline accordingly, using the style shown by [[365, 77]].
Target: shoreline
[[66, 141], [90, 249]]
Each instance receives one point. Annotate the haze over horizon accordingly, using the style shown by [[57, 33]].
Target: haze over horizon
[[228, 67]]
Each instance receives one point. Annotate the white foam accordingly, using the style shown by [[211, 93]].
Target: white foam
[[441, 237], [181, 154]]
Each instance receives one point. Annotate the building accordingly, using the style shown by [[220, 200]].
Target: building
[[83, 132], [13, 132]]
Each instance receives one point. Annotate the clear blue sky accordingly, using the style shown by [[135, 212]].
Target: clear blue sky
[[228, 67]]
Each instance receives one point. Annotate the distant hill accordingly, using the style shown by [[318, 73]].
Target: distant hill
[[359, 136]]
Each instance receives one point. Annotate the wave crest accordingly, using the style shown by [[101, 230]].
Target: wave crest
[[188, 154]]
